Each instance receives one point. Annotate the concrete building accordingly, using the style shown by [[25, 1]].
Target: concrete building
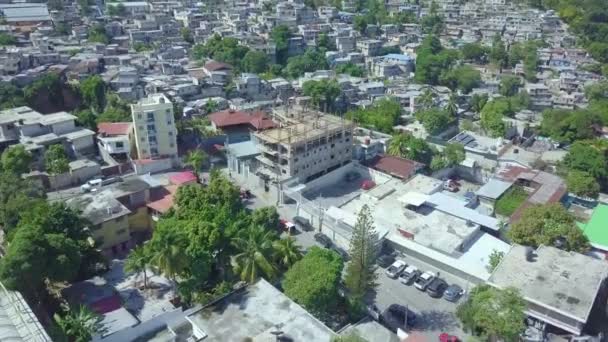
[[114, 140], [560, 287], [154, 127], [37, 131], [17, 320], [305, 147]]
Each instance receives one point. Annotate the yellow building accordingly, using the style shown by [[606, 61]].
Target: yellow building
[[154, 127]]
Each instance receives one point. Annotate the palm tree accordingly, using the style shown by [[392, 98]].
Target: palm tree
[[169, 259], [398, 145], [254, 257], [286, 252], [79, 325], [427, 99], [137, 262], [196, 159], [452, 107]]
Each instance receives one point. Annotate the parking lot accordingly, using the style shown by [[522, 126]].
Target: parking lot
[[434, 315]]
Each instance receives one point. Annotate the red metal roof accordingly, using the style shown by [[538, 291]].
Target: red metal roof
[[216, 66], [227, 118], [395, 166], [163, 204], [107, 304], [185, 177], [114, 128]]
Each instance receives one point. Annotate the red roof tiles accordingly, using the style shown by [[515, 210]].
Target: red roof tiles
[[394, 166], [217, 66], [114, 128]]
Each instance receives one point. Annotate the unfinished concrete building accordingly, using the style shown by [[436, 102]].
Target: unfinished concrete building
[[307, 146]]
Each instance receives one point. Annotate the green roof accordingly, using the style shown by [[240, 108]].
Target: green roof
[[596, 229]]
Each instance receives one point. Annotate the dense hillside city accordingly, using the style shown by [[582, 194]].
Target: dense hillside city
[[304, 170]]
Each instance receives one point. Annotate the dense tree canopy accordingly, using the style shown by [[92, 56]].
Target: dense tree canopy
[[474, 52], [93, 92], [313, 281], [322, 93], [584, 156], [255, 62], [492, 114], [567, 126], [407, 146], [463, 78], [10, 96], [432, 60], [435, 120], [56, 160], [350, 69], [383, 115], [493, 314], [311, 60], [16, 160], [545, 224], [581, 183]]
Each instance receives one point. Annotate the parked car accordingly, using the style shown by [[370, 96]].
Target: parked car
[[398, 317], [395, 269], [436, 287], [91, 184], [424, 280], [287, 226], [323, 239], [408, 275], [343, 254], [385, 260], [453, 293], [302, 222]]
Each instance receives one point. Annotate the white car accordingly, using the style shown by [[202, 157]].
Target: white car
[[424, 280], [395, 269], [91, 185], [409, 275]]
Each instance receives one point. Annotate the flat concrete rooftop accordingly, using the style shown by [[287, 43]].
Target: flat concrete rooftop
[[252, 313], [563, 281]]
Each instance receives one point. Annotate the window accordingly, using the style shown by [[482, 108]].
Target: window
[[152, 139], [143, 138], [171, 145], [170, 134], [150, 116], [121, 231], [154, 151], [139, 116], [120, 144], [151, 128], [118, 219], [141, 128]]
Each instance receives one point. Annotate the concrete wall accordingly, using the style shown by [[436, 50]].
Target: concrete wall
[[112, 232], [139, 220], [153, 166], [63, 127]]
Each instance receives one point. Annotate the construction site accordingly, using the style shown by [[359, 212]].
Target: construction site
[[306, 145]]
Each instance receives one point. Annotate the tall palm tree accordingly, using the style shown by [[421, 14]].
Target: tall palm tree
[[398, 145], [452, 107], [79, 325], [427, 99], [254, 257], [286, 252], [168, 258], [137, 262], [196, 159]]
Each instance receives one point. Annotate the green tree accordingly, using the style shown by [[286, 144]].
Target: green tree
[[255, 62], [581, 183], [7, 39], [17, 195], [464, 78], [86, 118], [432, 61], [545, 224], [326, 43], [280, 35], [322, 93], [478, 101], [311, 60], [361, 270], [474, 52], [492, 314], [196, 159], [383, 115], [407, 146], [313, 281], [168, 249], [138, 262], [509, 85], [492, 116], [498, 54], [98, 34], [93, 90], [266, 217], [118, 10], [186, 35], [452, 106], [286, 252], [350, 69], [254, 259], [79, 325], [10, 96], [360, 24], [585, 157], [56, 160], [531, 64], [16, 160], [349, 338], [50, 86], [495, 258], [116, 110], [569, 125], [454, 153], [435, 120]]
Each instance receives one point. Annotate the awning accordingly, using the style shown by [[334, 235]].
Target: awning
[[413, 198]]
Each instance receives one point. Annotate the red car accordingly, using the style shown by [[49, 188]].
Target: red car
[[445, 337], [287, 226]]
